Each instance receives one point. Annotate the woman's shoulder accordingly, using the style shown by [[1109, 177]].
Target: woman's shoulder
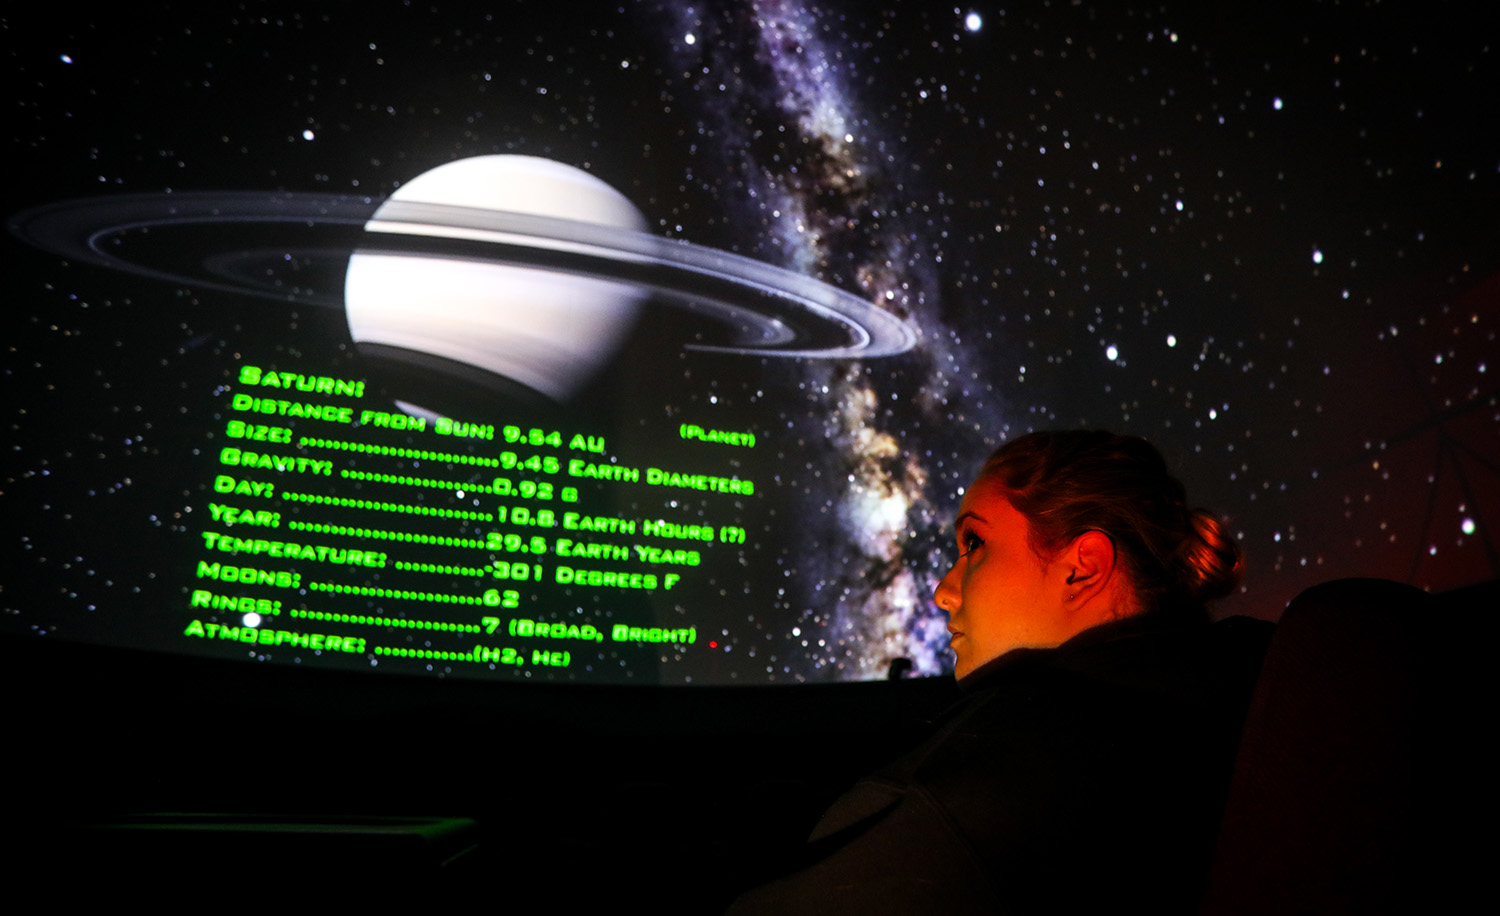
[[1172, 653], [1149, 690]]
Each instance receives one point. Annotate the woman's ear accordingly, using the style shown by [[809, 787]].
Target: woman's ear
[[1091, 565]]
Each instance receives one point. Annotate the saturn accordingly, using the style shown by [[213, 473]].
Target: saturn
[[522, 268]]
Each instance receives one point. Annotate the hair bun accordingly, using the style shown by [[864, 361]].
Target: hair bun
[[1067, 482], [1210, 559]]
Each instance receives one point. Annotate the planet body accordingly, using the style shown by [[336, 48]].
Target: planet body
[[547, 330], [519, 268]]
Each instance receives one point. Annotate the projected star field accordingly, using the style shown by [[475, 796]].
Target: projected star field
[[1265, 238]]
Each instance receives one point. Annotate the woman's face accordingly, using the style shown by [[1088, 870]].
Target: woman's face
[[999, 595]]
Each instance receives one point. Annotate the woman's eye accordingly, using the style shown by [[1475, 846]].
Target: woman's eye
[[970, 542]]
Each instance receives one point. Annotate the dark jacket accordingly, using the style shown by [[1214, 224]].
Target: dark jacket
[[1089, 777]]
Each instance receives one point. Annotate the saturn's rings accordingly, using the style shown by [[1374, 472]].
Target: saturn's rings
[[763, 301]]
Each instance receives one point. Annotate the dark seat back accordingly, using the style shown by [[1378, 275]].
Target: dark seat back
[[1323, 814]]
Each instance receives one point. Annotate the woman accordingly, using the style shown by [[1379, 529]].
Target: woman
[[1065, 531], [1087, 767]]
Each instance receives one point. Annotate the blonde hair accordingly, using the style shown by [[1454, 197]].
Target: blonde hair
[[1067, 482]]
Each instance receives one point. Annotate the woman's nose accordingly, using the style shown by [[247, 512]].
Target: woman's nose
[[946, 595]]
